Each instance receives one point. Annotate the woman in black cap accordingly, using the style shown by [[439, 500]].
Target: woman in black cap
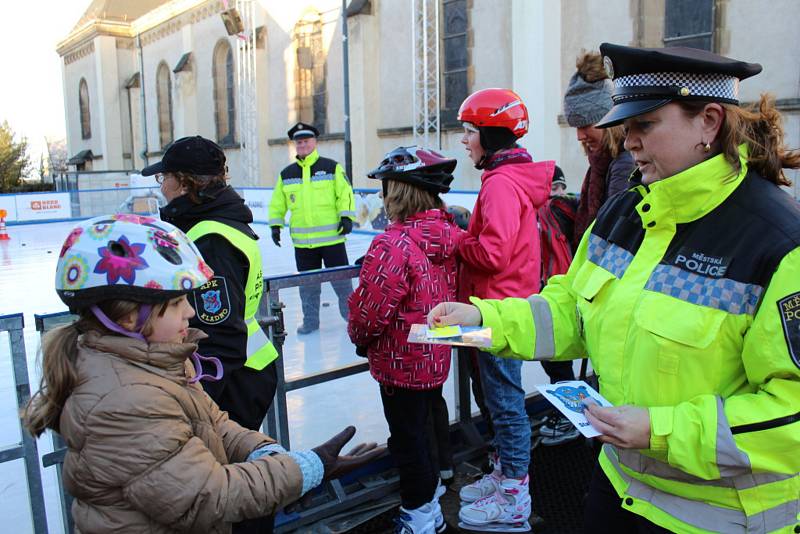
[[193, 179], [686, 295]]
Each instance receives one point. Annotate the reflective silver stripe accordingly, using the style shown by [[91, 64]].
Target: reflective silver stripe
[[310, 229], [347, 213], [292, 181], [543, 321], [273, 222], [256, 340], [696, 513], [645, 465], [315, 240], [730, 460], [321, 177], [781, 516]]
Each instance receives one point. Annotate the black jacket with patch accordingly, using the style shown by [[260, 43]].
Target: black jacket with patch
[[227, 332]]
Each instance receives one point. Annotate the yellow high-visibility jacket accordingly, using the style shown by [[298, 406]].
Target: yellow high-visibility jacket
[[317, 193], [685, 294]]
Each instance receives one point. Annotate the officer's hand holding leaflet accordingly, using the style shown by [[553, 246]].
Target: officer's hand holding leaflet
[[276, 235], [454, 313], [627, 427]]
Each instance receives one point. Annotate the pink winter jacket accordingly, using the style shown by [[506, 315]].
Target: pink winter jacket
[[408, 269], [501, 256]]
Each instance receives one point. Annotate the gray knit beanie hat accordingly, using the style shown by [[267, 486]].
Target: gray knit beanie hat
[[586, 103]]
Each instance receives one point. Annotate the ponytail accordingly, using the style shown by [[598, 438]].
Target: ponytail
[[760, 127], [59, 354], [59, 377]]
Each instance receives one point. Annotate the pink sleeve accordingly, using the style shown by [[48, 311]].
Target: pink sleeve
[[382, 287], [491, 250]]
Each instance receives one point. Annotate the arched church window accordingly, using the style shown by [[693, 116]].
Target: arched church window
[[83, 105], [310, 72], [224, 93], [164, 101]]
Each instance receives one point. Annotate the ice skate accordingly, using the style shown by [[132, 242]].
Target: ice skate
[[484, 486], [417, 521], [440, 524], [507, 510]]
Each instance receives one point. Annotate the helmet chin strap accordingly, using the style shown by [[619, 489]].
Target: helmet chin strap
[[114, 327], [141, 318]]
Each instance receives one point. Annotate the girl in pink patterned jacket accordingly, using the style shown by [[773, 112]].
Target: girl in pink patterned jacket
[[408, 270]]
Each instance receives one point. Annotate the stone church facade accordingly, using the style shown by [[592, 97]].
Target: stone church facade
[[139, 74]]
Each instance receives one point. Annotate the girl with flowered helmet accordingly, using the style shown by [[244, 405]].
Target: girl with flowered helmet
[[146, 447]]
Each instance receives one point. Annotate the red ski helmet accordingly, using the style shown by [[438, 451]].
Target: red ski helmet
[[498, 108], [417, 166]]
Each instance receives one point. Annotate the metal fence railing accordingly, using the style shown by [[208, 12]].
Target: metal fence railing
[[25, 449], [45, 323], [359, 491]]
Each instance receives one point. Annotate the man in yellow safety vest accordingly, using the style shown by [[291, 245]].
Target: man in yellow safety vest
[[318, 194]]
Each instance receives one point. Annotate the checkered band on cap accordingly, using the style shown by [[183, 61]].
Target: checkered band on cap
[[716, 86]]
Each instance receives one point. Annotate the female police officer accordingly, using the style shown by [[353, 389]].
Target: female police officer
[[685, 293]]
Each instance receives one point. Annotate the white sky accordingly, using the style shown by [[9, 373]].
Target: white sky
[[31, 98]]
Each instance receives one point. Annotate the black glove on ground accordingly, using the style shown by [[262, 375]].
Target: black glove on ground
[[276, 235], [335, 465], [345, 225]]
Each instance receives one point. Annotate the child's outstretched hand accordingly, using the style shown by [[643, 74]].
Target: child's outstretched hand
[[336, 465], [448, 313]]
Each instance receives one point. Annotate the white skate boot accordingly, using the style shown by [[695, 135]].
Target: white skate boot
[[417, 521], [507, 510], [438, 518], [484, 486]]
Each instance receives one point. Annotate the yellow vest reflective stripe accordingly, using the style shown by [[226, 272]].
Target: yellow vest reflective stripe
[[260, 351], [316, 192]]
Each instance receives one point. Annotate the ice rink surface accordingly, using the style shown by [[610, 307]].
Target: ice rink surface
[[27, 268]]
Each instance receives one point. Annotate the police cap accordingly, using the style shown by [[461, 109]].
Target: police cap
[[302, 130], [647, 78]]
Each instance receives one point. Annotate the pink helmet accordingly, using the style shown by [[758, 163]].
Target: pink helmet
[[127, 257], [417, 166]]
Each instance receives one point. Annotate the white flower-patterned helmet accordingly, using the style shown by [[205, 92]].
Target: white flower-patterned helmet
[[127, 257]]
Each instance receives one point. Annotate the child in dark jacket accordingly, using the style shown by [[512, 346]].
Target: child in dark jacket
[[406, 272]]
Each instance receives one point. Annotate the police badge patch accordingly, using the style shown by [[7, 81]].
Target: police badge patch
[[211, 301], [789, 310]]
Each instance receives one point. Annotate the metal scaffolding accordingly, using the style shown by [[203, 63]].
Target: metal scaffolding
[[246, 93], [425, 44]]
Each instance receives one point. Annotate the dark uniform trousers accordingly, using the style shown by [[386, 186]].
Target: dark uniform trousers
[[308, 259]]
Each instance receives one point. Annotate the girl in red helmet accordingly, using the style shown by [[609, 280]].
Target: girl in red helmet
[[501, 258], [407, 270]]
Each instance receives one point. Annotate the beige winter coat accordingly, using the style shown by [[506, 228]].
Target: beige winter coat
[[149, 452]]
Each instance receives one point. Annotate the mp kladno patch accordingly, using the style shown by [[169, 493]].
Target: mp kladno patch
[[789, 308], [211, 301]]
